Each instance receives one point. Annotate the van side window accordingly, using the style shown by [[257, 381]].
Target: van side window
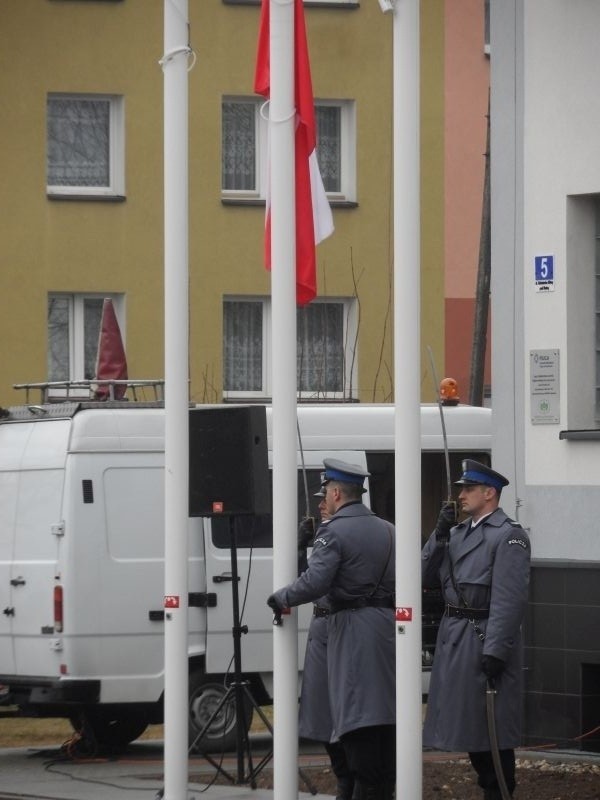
[[434, 486], [257, 531]]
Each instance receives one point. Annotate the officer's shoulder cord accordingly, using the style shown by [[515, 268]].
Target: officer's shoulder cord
[[387, 561]]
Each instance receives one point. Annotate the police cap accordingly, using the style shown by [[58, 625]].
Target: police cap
[[474, 473], [336, 470]]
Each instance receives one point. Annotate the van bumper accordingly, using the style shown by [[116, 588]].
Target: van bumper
[[38, 692]]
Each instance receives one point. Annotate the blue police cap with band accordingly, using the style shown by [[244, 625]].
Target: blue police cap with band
[[477, 474], [336, 470]]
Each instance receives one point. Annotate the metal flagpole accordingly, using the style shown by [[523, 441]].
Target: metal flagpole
[[175, 68], [283, 294], [407, 373]]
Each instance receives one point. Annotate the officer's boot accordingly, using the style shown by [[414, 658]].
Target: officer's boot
[[345, 788], [493, 794], [341, 770], [388, 791], [368, 791]]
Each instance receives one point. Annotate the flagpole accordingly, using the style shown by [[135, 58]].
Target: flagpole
[[175, 68], [407, 373], [283, 296]]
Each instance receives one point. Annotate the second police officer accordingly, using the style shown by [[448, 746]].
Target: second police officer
[[353, 563]]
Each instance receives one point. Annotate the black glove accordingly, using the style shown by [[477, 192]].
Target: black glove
[[306, 532], [446, 520], [274, 603], [492, 666]]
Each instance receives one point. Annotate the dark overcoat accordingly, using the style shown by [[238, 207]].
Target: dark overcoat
[[314, 716], [314, 713], [354, 557], [491, 570]]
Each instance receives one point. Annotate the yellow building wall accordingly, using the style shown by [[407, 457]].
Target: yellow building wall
[[101, 246], [432, 193]]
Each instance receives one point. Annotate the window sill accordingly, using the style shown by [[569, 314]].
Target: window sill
[[242, 201], [95, 198], [584, 435], [253, 201], [348, 5]]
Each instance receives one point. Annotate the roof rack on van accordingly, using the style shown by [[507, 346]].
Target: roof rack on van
[[68, 391]]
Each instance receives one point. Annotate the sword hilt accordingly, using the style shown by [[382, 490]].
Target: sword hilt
[[452, 502]]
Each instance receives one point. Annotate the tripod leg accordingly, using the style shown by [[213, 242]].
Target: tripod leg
[[267, 723], [307, 782], [225, 699], [263, 717], [222, 713]]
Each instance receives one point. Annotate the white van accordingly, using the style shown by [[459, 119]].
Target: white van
[[81, 557]]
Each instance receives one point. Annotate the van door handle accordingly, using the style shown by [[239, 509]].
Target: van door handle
[[18, 581], [224, 577], [9, 612]]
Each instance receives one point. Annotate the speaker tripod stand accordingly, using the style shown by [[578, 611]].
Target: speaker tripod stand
[[238, 691]]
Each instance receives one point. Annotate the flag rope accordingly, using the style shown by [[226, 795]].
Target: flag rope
[[170, 55]]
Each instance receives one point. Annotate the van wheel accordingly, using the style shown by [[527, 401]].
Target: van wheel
[[107, 729], [205, 696]]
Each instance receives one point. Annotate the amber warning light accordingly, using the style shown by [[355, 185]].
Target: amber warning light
[[449, 392]]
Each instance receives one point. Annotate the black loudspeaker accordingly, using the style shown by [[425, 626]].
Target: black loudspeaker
[[229, 467]]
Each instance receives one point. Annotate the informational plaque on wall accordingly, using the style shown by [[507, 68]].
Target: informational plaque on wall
[[545, 386]]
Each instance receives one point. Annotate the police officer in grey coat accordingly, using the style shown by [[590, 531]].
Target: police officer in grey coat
[[482, 566], [353, 563], [314, 715]]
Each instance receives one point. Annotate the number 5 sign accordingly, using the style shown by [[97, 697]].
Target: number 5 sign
[[544, 273]]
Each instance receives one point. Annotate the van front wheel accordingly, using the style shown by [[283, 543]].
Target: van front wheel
[[109, 729], [207, 702]]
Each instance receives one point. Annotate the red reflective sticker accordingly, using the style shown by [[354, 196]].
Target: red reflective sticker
[[171, 601], [404, 614]]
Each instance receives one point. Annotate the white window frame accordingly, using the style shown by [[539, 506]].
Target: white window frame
[[116, 181], [350, 338], [582, 311], [596, 271], [76, 327], [261, 132], [347, 192]]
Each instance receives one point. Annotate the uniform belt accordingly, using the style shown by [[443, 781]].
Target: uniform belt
[[320, 611], [363, 602], [466, 612]]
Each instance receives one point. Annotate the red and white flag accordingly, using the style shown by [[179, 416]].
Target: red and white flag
[[314, 221], [111, 363]]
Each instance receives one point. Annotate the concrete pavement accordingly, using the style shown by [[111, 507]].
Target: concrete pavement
[[45, 774]]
